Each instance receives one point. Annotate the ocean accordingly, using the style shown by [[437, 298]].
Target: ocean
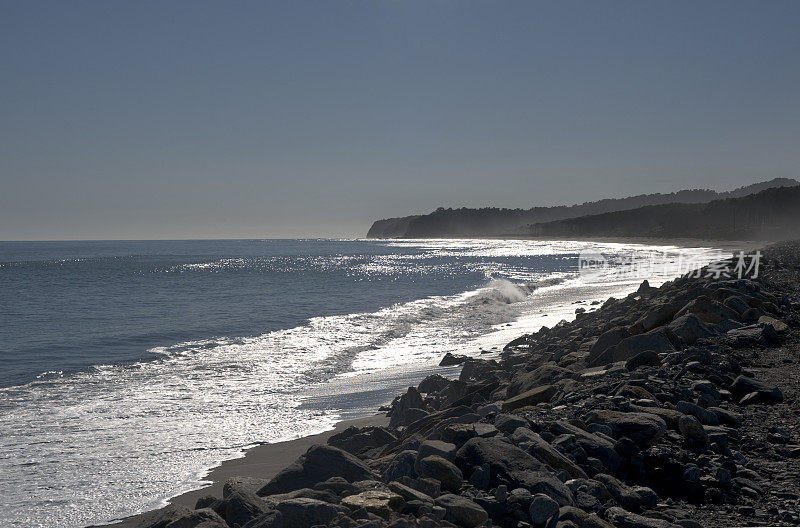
[[130, 368]]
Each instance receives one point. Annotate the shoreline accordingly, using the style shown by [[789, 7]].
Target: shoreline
[[260, 462]]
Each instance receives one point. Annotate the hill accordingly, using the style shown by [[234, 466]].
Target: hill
[[772, 214], [493, 221]]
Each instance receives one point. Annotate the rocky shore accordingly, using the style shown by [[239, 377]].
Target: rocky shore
[[673, 407]]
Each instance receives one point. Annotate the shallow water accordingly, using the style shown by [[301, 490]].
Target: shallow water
[[130, 368]]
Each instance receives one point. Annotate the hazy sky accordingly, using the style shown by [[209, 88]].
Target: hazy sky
[[171, 119]]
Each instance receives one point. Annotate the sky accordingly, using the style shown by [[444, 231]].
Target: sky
[[200, 119]]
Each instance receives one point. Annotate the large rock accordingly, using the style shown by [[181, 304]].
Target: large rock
[[595, 446], [606, 341], [320, 463], [445, 450], [532, 397], [402, 411], [642, 428], [687, 330], [202, 518], [707, 310], [546, 374], [242, 507], [510, 465], [354, 440], [433, 383], [538, 447], [162, 517], [402, 465], [658, 316], [692, 430], [743, 387], [308, 512], [756, 334], [268, 520], [379, 502], [655, 340], [451, 359], [442, 470], [625, 519], [462, 511], [542, 508]]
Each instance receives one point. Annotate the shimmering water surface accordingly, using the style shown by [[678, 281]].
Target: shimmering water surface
[[131, 368]]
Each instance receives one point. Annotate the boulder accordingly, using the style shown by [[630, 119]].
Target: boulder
[[462, 511], [433, 383], [705, 416], [532, 397], [756, 334], [606, 341], [707, 310], [687, 330], [508, 423], [242, 507], [656, 317], [648, 358], [595, 446], [692, 430], [542, 508], [379, 502], [272, 519], [320, 463], [779, 326], [442, 470], [162, 517], [445, 450], [402, 465], [546, 374], [655, 340], [642, 428], [202, 518], [451, 359], [401, 411], [354, 440], [538, 447], [512, 466], [624, 519], [743, 386], [308, 512]]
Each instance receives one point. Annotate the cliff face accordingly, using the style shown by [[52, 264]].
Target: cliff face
[[772, 214], [492, 221]]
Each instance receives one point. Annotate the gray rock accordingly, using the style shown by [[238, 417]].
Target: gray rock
[[542, 508], [692, 430], [442, 470], [642, 428], [655, 340], [595, 446], [437, 447], [433, 383], [705, 416], [320, 463], [546, 374], [766, 393], [242, 507], [202, 518], [508, 423], [462, 511], [707, 311], [402, 465], [451, 359], [308, 512], [759, 333], [625, 519], [538, 447], [687, 330], [511, 465], [532, 397], [401, 412], [647, 358], [268, 520]]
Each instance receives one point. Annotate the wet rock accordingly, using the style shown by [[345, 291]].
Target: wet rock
[[320, 463]]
